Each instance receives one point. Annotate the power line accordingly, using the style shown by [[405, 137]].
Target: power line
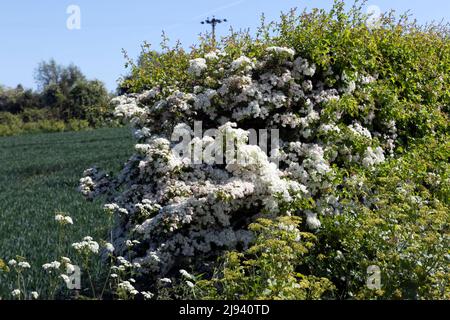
[[213, 22]]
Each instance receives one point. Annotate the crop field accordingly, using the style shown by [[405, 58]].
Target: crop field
[[39, 176]]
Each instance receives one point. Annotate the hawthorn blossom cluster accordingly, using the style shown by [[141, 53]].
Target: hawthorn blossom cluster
[[180, 212]]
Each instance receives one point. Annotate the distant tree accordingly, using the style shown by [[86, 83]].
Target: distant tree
[[48, 73], [18, 99], [67, 92], [88, 100], [64, 93], [53, 98]]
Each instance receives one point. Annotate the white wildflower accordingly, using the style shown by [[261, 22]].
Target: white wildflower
[[86, 246], [186, 274], [52, 265], [165, 280], [16, 293], [147, 295], [109, 247], [63, 220], [24, 265], [65, 260]]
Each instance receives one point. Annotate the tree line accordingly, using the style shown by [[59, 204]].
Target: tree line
[[64, 95]]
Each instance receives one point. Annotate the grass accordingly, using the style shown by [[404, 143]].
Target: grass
[[39, 175]]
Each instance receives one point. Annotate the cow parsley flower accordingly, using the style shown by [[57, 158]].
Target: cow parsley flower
[[65, 260], [109, 247], [86, 246], [24, 265], [165, 280], [63, 220], [127, 287], [186, 274], [111, 207], [147, 295], [16, 293], [51, 266]]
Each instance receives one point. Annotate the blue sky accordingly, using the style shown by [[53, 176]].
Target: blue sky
[[32, 31]]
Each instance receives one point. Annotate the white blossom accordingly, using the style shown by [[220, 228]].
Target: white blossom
[[243, 63], [52, 265], [86, 246], [147, 295], [311, 221], [186, 274], [177, 208], [281, 51], [196, 66], [63, 220], [109, 247], [24, 265], [16, 293]]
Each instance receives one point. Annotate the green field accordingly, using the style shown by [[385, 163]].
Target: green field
[[39, 175]]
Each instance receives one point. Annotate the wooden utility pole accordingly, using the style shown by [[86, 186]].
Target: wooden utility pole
[[213, 22]]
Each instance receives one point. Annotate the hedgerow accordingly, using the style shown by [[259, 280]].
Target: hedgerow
[[359, 177], [356, 106]]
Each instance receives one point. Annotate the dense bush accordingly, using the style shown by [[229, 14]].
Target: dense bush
[[363, 157], [34, 121], [267, 270], [18, 99]]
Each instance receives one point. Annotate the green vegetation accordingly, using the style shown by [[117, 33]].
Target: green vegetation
[[382, 94], [39, 176], [66, 101], [268, 269], [395, 216]]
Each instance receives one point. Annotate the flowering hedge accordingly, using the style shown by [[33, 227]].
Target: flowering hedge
[[351, 102]]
